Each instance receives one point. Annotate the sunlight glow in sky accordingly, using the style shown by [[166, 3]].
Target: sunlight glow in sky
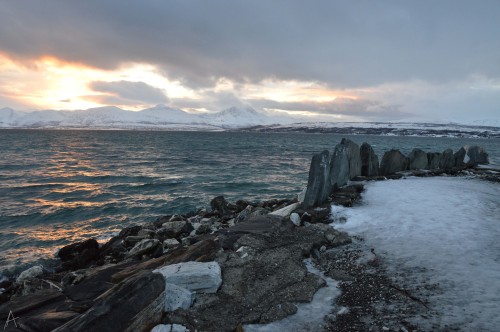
[[366, 60], [50, 83]]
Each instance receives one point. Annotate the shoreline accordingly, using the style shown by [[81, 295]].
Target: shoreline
[[209, 239], [240, 263]]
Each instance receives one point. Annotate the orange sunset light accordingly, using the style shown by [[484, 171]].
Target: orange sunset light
[[51, 83]]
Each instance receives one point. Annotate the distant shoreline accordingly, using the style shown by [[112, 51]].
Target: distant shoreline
[[481, 133]]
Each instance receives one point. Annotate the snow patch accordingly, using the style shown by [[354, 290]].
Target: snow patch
[[438, 231]]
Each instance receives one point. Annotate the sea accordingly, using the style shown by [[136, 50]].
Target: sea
[[61, 186]]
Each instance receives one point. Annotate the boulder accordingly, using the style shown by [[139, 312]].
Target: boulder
[[339, 171], [146, 233], [286, 211], [194, 276], [32, 272], [133, 305], [461, 158], [113, 248], [392, 162], [434, 160], [175, 228], [42, 311], [354, 157], [477, 155], [219, 205], [448, 159], [295, 219], [177, 297], [176, 217], [169, 328], [318, 184], [369, 160], [170, 243], [79, 255], [132, 240], [129, 231], [250, 211], [417, 159], [144, 247]]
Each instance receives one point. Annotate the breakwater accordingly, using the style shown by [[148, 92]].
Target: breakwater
[[331, 170]]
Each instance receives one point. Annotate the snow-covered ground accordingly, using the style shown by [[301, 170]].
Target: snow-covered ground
[[439, 232]]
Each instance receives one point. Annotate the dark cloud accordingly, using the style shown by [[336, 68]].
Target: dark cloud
[[127, 93], [342, 43]]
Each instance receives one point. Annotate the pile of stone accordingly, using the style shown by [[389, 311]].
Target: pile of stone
[[210, 270], [331, 170]]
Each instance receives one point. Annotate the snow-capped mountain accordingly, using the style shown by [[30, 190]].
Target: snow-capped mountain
[[159, 116], [167, 118], [237, 117]]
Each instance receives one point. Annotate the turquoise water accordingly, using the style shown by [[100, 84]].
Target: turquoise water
[[57, 187]]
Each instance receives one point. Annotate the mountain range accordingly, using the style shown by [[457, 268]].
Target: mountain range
[[244, 118], [160, 116]]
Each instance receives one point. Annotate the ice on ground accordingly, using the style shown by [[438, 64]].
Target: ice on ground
[[441, 231], [309, 316]]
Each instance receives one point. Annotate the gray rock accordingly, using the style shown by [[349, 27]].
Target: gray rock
[[392, 162], [278, 312], [417, 159], [175, 228], [318, 184], [250, 211], [434, 160], [354, 157], [204, 229], [448, 159], [219, 205], [169, 328], [133, 239], [339, 171], [133, 305], [32, 272], [170, 243], [369, 160], [79, 255], [286, 211], [143, 247], [177, 297], [146, 233], [477, 155], [266, 276], [460, 158], [194, 276], [176, 217], [295, 218]]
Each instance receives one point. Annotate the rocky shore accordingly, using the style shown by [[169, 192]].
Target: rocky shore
[[236, 263]]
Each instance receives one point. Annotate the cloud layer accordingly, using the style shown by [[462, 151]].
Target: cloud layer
[[340, 45]]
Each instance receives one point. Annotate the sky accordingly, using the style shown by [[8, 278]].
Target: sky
[[326, 60]]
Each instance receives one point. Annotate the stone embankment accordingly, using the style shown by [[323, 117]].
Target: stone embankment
[[208, 271], [331, 170], [231, 265]]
